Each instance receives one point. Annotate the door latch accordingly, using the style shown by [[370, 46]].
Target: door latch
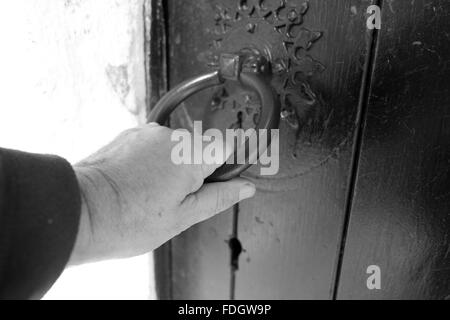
[[249, 70]]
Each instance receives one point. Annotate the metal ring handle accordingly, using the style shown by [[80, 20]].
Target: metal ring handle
[[269, 119]]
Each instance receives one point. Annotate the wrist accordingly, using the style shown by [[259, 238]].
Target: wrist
[[80, 251], [101, 207]]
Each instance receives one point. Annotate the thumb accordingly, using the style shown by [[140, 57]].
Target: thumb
[[213, 198]]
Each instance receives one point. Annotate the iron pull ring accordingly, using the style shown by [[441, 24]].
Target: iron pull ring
[[230, 69]]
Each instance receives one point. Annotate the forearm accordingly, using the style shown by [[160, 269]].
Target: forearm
[[39, 215], [125, 200], [84, 236], [135, 199]]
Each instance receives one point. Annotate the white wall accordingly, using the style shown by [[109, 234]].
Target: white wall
[[72, 78]]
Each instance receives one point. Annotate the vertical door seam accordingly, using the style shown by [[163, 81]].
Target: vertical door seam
[[360, 122]]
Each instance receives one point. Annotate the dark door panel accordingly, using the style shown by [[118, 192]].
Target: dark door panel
[[291, 232], [364, 151], [400, 218]]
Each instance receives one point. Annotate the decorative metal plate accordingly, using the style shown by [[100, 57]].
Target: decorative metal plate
[[275, 29]]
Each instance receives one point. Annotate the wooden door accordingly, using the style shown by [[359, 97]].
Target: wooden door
[[401, 199], [363, 149]]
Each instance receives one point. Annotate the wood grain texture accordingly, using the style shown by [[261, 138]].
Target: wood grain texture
[[291, 231], [400, 219]]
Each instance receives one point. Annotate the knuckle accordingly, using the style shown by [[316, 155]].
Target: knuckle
[[163, 131], [128, 133], [193, 177], [198, 176]]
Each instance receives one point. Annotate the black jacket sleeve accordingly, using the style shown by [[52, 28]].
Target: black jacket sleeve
[[39, 214]]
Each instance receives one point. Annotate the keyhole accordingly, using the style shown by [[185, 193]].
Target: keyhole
[[240, 117]]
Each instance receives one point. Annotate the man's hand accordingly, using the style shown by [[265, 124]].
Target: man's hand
[[135, 198]]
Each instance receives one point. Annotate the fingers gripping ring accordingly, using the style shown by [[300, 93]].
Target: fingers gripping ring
[[230, 70]]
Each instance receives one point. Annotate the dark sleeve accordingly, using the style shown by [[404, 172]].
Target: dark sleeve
[[39, 214]]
